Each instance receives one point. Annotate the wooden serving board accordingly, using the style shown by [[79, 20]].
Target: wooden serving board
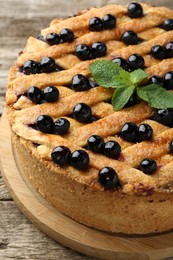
[[65, 230]]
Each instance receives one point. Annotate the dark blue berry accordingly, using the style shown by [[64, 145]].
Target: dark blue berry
[[93, 119], [95, 24], [148, 166], [40, 37], [53, 38], [95, 143], [79, 159], [168, 80], [155, 79], [168, 25], [35, 94], [164, 116], [171, 147], [132, 100], [108, 178], [158, 52], [31, 67], [48, 64], [80, 83], [92, 83], [169, 50], [130, 38], [129, 132], [82, 112], [66, 35], [136, 61], [112, 149], [51, 94], [145, 132], [83, 52], [98, 49], [45, 124], [109, 21], [122, 63], [61, 155], [61, 126], [135, 10]]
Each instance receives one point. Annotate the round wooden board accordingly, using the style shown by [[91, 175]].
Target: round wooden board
[[65, 230]]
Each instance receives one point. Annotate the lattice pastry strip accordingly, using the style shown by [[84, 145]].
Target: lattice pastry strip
[[106, 35]]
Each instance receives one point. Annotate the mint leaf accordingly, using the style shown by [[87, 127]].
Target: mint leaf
[[138, 76], [156, 96], [121, 97], [123, 79], [104, 72]]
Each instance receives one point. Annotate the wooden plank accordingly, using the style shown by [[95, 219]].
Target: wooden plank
[[19, 239], [4, 193]]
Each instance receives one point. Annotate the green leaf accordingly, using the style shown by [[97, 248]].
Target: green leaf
[[138, 76], [104, 72], [156, 96], [121, 97], [123, 79]]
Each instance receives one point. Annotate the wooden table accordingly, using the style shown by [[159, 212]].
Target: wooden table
[[19, 239]]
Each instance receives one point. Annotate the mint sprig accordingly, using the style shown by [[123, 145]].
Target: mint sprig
[[110, 75]]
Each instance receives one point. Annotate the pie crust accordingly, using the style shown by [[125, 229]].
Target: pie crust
[[143, 203]]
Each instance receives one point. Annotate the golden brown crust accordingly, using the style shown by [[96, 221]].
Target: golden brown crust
[[104, 210], [135, 185]]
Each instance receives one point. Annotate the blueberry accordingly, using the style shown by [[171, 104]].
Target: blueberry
[[53, 38], [145, 132], [168, 80], [109, 21], [51, 94], [35, 94], [92, 83], [122, 63], [108, 178], [95, 143], [136, 61], [95, 24], [155, 79], [80, 83], [66, 35], [45, 124], [61, 155], [135, 10], [130, 38], [93, 119], [132, 100], [169, 50], [112, 149], [83, 52], [82, 112], [158, 52], [129, 132], [164, 116], [168, 25], [31, 67], [79, 159], [61, 126], [40, 37], [148, 166], [171, 147], [48, 64], [98, 49]]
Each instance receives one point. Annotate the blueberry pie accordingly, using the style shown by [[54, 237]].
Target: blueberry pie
[[110, 169]]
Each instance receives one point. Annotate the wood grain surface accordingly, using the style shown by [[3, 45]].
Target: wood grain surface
[[19, 19]]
